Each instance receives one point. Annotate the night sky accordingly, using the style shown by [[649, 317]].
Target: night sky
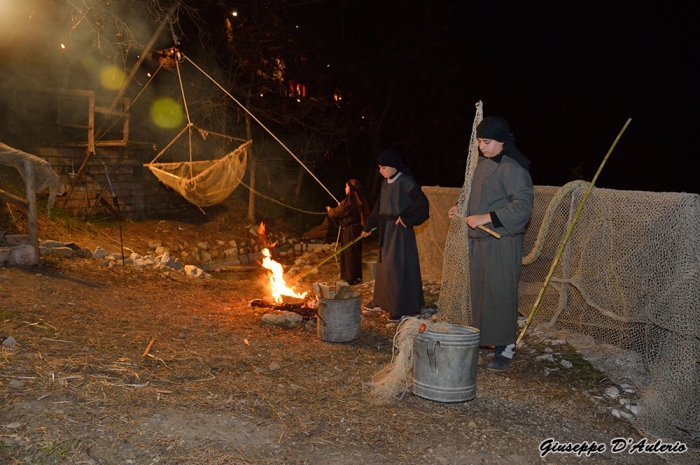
[[565, 75]]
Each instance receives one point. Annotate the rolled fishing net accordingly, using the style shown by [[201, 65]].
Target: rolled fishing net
[[394, 380]]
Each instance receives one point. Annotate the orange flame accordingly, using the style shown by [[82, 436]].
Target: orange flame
[[262, 236], [278, 286]]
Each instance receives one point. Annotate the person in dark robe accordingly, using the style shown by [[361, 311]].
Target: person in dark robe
[[351, 214], [501, 199], [398, 287]]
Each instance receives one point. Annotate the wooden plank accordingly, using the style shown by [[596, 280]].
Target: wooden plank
[[14, 200], [102, 189], [107, 111], [342, 292], [325, 291]]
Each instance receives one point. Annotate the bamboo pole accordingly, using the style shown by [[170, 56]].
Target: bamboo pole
[[538, 301], [359, 238]]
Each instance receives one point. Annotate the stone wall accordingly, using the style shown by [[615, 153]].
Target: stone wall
[[140, 193]]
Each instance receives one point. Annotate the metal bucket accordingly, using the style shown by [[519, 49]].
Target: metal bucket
[[445, 364], [339, 320]]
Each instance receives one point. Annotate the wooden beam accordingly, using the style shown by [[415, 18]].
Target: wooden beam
[[14, 200], [143, 54], [31, 201], [104, 186]]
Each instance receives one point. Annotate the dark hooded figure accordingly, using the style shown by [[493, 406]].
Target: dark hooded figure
[[501, 199], [401, 205], [351, 214]]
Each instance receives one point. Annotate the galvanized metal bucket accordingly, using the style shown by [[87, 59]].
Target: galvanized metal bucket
[[445, 364], [339, 320]]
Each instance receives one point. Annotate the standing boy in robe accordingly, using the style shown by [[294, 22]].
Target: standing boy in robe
[[398, 287], [501, 199]]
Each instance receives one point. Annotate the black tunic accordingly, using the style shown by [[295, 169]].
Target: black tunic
[[398, 287], [349, 218]]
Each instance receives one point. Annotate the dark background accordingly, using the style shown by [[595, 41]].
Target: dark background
[[565, 75]]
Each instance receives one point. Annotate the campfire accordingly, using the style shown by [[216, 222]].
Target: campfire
[[278, 286]]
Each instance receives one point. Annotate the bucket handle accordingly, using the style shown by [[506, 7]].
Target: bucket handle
[[431, 357]]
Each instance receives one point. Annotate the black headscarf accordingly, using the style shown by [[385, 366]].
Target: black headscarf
[[496, 128], [392, 158]]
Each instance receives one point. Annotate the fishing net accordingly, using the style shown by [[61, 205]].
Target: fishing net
[[41, 172], [455, 306], [394, 380], [205, 182], [628, 283]]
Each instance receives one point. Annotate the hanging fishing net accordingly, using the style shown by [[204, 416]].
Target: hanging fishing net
[[204, 182]]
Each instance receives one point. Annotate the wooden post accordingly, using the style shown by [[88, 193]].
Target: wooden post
[[31, 211], [143, 54]]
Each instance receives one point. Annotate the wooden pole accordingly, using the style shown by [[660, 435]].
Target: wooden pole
[[358, 238], [31, 210], [7, 197], [143, 55], [538, 301]]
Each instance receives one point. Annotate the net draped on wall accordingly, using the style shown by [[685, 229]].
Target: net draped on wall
[[42, 173], [628, 281]]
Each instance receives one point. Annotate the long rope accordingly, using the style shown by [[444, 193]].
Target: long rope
[[187, 112], [564, 241], [261, 124], [104, 133], [277, 201]]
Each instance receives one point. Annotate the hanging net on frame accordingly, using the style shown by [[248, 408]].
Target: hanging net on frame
[[204, 182], [214, 169]]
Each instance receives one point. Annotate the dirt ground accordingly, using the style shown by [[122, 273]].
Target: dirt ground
[[218, 386]]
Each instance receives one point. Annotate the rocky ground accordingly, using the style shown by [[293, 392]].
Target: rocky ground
[[138, 365]]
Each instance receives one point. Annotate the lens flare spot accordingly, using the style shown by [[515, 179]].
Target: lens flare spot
[[111, 77], [167, 113]]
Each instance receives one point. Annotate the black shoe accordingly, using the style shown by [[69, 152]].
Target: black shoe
[[355, 282], [499, 363]]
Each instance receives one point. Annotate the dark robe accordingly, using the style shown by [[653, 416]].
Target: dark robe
[[348, 215], [503, 188], [398, 287]]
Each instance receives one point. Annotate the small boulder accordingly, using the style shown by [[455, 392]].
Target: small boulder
[[23, 255], [289, 320], [194, 272], [99, 252]]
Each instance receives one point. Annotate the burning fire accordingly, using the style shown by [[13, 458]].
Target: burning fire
[[278, 286]]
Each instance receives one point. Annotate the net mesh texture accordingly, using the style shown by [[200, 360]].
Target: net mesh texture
[[626, 289], [207, 182], [41, 172]]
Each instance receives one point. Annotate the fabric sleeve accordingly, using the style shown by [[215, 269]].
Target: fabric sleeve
[[520, 197], [419, 210], [342, 210]]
